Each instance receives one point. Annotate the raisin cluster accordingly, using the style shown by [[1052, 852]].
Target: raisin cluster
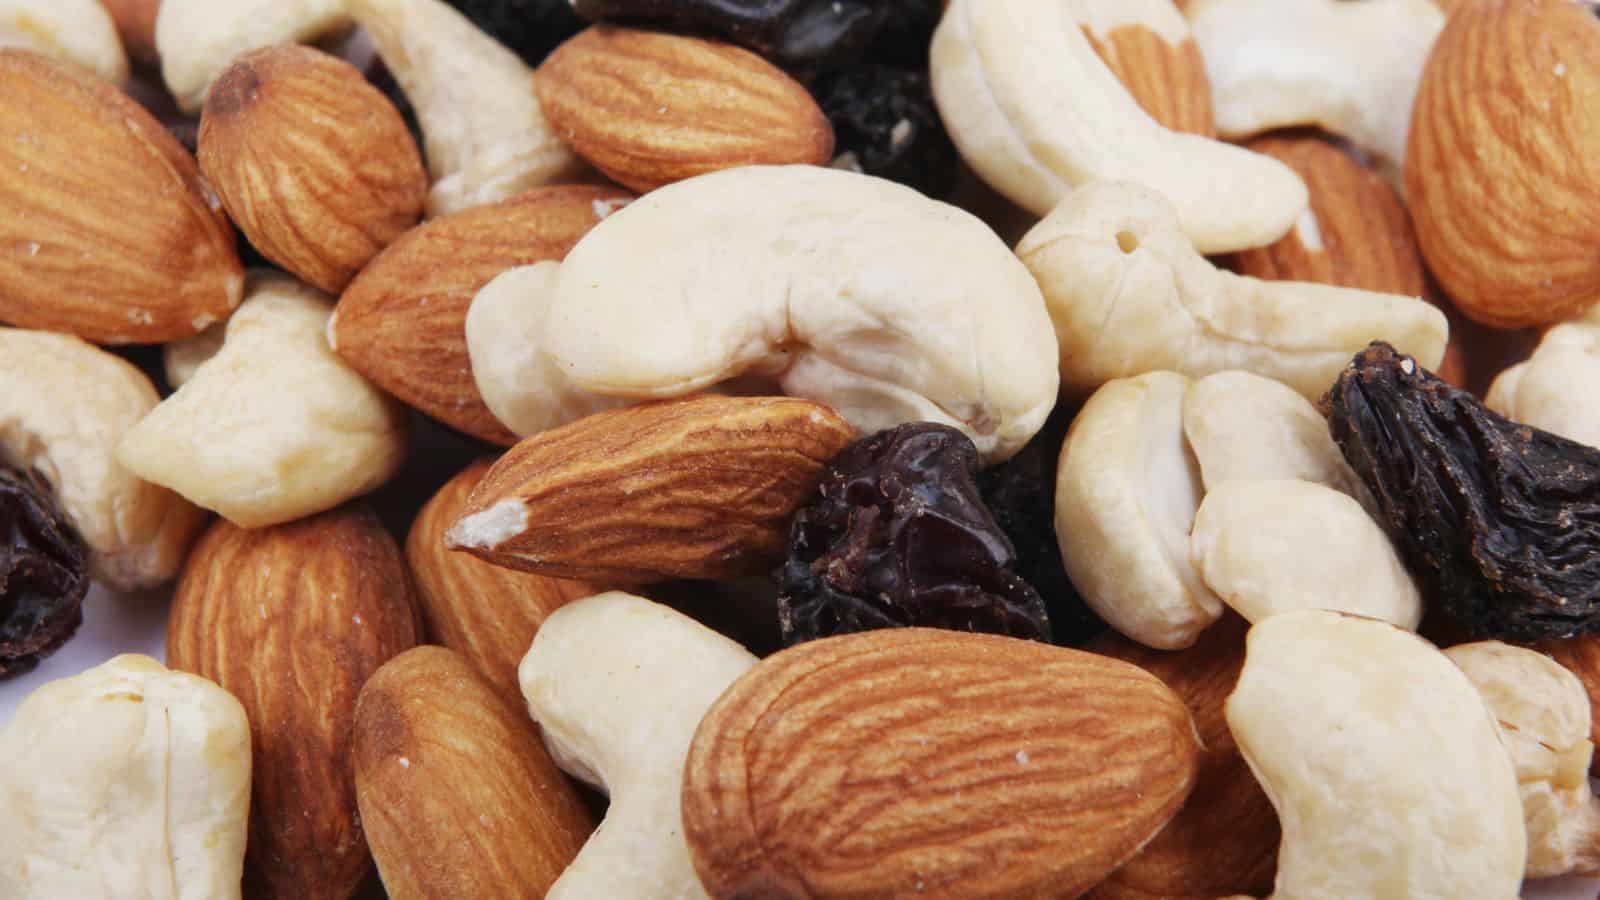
[[44, 574]]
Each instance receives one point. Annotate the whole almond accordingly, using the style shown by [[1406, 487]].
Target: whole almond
[[109, 233], [402, 321], [313, 163], [916, 762], [292, 620], [458, 796], [648, 108], [1167, 80], [701, 487]]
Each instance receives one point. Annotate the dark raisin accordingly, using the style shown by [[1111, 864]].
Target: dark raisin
[[530, 28], [802, 33], [44, 574], [898, 536], [885, 120], [907, 34], [1499, 522]]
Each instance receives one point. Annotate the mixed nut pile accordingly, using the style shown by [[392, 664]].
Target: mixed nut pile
[[983, 449]]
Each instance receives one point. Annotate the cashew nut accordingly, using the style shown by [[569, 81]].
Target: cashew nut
[[1555, 388], [1129, 294], [1035, 111], [618, 684], [274, 427], [64, 405], [128, 780], [78, 31], [485, 135], [182, 358], [1387, 770], [1269, 546], [847, 289], [198, 39]]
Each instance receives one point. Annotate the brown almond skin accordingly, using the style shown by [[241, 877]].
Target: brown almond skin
[[313, 163], [939, 764], [402, 321], [648, 108], [136, 25], [109, 232], [701, 487], [458, 795], [1170, 83], [292, 620]]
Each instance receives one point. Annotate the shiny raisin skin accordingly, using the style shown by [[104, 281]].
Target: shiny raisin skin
[[800, 33], [530, 28], [886, 121], [44, 574], [899, 536], [1499, 522]]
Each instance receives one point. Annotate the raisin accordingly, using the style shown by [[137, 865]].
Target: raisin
[[44, 574], [802, 33], [885, 120], [907, 34], [530, 28], [1499, 522], [899, 536]]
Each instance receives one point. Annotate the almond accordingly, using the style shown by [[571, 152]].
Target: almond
[[915, 762], [109, 232], [458, 795], [136, 25], [648, 109], [696, 488], [292, 620], [1166, 78], [313, 163], [402, 321]]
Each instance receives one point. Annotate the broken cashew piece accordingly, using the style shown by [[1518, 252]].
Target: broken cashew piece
[[485, 134], [64, 406], [1129, 294], [1386, 768], [78, 31], [1035, 112], [618, 685], [199, 39], [1555, 388], [128, 780]]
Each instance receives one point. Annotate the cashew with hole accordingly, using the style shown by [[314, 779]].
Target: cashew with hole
[[1129, 294], [128, 780], [1387, 770], [618, 684], [64, 406], [78, 31], [198, 39], [1555, 388], [1035, 111]]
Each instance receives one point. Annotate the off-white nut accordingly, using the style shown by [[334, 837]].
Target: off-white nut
[[1544, 716], [78, 31], [485, 136], [1035, 111], [1348, 68], [850, 290], [199, 39], [1555, 388], [64, 406], [1387, 771], [618, 684], [1129, 294], [274, 427], [125, 781], [1126, 493], [1267, 547], [180, 359]]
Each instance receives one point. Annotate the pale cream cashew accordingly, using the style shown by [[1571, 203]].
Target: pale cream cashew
[[274, 427], [1386, 768], [64, 406], [1127, 488], [1544, 715], [1129, 294], [846, 289], [1102, 17], [182, 358], [1270, 546], [485, 135], [78, 31], [1035, 111], [618, 685], [127, 781], [1555, 388], [199, 39]]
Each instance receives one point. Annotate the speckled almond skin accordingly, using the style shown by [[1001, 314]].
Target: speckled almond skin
[[1147, 45]]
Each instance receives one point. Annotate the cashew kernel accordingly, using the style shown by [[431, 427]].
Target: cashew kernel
[[78, 31], [198, 39], [1554, 389]]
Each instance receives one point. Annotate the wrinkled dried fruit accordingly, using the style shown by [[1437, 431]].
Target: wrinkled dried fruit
[[1499, 522], [44, 574], [907, 33], [531, 28], [794, 32], [900, 537], [885, 124]]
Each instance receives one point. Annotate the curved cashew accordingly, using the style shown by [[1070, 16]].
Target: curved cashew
[[198, 39], [1035, 111], [64, 405], [78, 31], [1129, 294], [485, 134], [1388, 772], [849, 290], [618, 684], [1554, 389]]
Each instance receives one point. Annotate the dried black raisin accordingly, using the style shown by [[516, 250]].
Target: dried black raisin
[[44, 574], [531, 28], [802, 33], [898, 536], [885, 120], [1499, 522], [907, 33]]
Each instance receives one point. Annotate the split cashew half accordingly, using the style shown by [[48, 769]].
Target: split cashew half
[[1035, 111], [199, 39], [1555, 389], [78, 31]]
